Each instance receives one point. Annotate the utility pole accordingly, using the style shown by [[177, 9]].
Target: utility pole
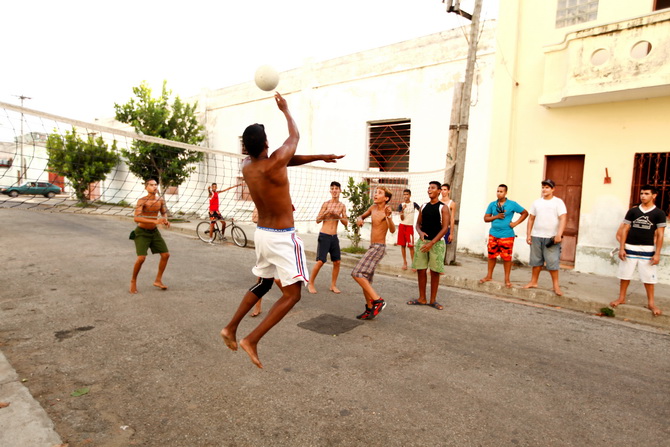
[[461, 127], [22, 168]]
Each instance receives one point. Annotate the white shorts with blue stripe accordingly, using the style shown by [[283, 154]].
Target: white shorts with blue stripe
[[280, 254], [638, 256]]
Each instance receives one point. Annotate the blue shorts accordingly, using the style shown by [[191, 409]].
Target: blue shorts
[[328, 243]]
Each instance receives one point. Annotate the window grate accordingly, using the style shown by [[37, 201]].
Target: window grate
[[652, 169], [389, 146]]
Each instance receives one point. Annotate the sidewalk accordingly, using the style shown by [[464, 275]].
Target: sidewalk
[[583, 292]]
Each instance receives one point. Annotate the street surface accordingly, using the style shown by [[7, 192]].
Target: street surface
[[482, 372]]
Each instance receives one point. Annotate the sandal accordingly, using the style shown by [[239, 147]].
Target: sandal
[[415, 303], [436, 305]]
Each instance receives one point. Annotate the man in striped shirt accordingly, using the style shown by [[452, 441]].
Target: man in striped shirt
[[640, 246]]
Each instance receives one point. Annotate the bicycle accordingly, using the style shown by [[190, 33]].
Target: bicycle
[[238, 235]]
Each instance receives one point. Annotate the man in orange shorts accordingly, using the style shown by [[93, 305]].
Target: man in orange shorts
[[500, 213]]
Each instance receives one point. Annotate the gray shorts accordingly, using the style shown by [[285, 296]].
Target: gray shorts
[[540, 254]]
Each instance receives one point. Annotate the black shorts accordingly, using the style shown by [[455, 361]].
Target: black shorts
[[215, 215], [328, 243]]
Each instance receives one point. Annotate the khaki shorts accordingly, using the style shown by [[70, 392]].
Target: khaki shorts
[[146, 239], [433, 259]]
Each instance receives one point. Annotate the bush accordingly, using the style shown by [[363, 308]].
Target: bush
[[360, 200]]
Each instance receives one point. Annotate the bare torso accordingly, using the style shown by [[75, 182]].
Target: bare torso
[[150, 206], [379, 224], [269, 188], [335, 211]]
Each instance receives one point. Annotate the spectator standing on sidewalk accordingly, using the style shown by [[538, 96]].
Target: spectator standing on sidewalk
[[406, 227], [431, 225], [446, 199], [544, 233], [332, 212], [640, 246], [500, 213]]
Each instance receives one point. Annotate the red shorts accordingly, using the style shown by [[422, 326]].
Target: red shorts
[[500, 247], [406, 235]]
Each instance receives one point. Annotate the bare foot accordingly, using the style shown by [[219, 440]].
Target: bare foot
[[251, 350], [404, 266], [483, 280], [530, 285], [229, 339], [311, 288], [558, 291], [160, 285], [256, 313], [508, 285], [654, 310], [618, 301], [334, 289], [133, 286]]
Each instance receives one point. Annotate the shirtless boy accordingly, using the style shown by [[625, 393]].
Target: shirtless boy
[[279, 251], [332, 212], [364, 271], [147, 234]]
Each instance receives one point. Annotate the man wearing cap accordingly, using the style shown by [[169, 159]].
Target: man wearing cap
[[546, 223]]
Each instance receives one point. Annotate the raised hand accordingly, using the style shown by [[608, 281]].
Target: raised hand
[[281, 102]]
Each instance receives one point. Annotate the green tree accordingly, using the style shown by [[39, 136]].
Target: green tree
[[156, 117], [82, 162], [360, 200]]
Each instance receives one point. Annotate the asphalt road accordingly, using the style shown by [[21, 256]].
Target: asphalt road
[[482, 372]]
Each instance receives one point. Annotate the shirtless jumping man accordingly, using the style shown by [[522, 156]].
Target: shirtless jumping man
[[146, 235], [279, 251]]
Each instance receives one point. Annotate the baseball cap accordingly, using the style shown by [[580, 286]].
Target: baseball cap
[[549, 182]]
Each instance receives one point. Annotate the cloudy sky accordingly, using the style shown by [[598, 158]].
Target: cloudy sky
[[76, 58]]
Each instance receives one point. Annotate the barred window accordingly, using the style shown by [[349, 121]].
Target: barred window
[[242, 190], [652, 169], [389, 145], [572, 12]]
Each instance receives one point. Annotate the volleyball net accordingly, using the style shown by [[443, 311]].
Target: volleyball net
[[26, 178]]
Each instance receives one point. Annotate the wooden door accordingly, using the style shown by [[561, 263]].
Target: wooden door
[[567, 171], [57, 180]]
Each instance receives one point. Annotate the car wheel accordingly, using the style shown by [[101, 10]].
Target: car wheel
[[13, 194], [50, 195]]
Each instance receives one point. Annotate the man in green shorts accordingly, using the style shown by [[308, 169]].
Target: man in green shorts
[[146, 234], [432, 225]]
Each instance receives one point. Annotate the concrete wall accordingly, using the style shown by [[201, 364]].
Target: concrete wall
[[333, 102]]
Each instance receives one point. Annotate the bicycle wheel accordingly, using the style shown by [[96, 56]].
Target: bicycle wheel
[[238, 235], [202, 230]]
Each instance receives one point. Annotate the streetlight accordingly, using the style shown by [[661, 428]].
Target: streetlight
[[22, 170]]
